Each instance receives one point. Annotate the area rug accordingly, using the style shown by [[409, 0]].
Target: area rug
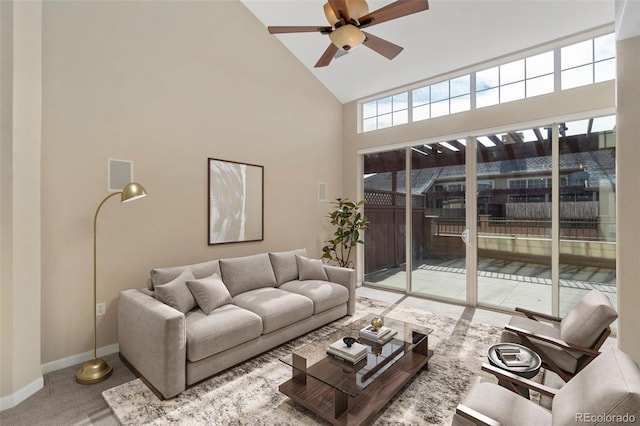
[[248, 393]]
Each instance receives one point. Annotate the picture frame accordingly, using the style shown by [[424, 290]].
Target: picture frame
[[235, 193]]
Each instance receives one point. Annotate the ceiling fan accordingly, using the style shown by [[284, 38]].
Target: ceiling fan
[[347, 18]]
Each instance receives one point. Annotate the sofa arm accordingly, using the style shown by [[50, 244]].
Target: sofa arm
[[346, 277], [152, 337]]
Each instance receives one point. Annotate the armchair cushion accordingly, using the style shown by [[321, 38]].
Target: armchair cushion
[[586, 321], [176, 293], [567, 360], [209, 293], [606, 391], [504, 406], [609, 386], [311, 269]]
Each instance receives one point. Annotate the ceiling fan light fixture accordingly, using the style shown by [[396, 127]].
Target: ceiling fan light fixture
[[347, 37], [357, 8], [348, 18], [330, 15]]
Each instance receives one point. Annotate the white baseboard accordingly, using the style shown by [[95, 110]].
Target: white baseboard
[[78, 358], [16, 398]]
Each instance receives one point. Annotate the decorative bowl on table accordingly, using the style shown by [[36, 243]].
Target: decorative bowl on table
[[349, 341]]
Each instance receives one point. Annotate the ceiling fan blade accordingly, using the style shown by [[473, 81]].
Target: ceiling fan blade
[[339, 8], [294, 29], [327, 56], [383, 47], [392, 11]]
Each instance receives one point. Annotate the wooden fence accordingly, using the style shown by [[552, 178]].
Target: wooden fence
[[385, 245]]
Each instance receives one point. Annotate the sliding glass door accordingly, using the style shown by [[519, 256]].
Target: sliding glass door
[[514, 244], [587, 241], [438, 209], [542, 213], [384, 191]]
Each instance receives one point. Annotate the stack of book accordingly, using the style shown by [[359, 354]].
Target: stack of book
[[511, 357], [352, 355], [382, 335]]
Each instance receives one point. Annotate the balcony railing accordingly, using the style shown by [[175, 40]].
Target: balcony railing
[[585, 230]]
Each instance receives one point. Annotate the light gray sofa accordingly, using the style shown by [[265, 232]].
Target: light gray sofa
[[194, 321]]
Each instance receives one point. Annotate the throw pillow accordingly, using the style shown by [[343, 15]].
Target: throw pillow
[[176, 293], [247, 273], [284, 264], [310, 269], [209, 293], [163, 275]]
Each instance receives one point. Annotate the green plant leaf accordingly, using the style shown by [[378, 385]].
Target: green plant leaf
[[348, 222]]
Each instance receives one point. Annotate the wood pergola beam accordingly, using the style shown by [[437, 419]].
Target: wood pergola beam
[[394, 160]]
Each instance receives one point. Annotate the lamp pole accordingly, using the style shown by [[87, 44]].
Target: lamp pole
[[97, 370], [95, 269]]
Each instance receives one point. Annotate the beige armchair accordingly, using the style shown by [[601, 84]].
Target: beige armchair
[[607, 391], [565, 345]]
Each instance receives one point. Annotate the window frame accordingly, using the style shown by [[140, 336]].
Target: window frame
[[526, 87]]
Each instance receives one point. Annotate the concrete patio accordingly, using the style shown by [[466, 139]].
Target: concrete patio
[[502, 285]]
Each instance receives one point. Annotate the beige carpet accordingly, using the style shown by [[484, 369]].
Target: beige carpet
[[64, 402], [248, 394]]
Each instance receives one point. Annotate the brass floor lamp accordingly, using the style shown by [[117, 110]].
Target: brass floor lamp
[[97, 369]]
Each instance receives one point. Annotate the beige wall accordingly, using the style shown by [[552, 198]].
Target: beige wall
[[628, 182], [166, 85], [20, 143], [6, 182]]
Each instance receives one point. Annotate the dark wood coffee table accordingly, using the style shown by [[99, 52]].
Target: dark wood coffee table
[[346, 394]]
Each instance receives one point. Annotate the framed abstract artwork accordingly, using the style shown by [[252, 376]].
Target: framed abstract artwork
[[236, 202]]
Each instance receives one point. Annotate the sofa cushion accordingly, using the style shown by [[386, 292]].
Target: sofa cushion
[[161, 276], [285, 266], [324, 294], [310, 269], [246, 273], [276, 307], [224, 328], [584, 323], [209, 292], [176, 293]]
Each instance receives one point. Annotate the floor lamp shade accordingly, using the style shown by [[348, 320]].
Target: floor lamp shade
[[132, 191], [97, 369]]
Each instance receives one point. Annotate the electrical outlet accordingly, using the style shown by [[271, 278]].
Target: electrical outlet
[[100, 309]]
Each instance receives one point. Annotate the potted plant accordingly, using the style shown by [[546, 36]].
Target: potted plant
[[349, 222]]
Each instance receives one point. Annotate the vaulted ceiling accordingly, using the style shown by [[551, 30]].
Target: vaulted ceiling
[[452, 34]]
